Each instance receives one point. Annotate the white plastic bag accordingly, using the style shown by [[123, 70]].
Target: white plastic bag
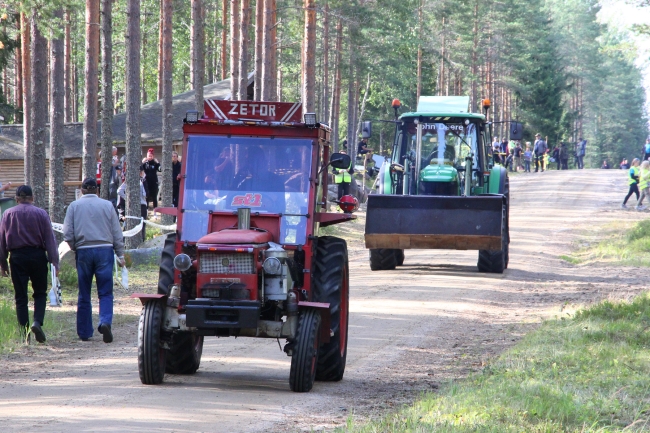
[[125, 278]]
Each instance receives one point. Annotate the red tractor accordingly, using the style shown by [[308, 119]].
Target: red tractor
[[246, 259]]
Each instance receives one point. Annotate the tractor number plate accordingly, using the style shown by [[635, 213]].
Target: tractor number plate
[[225, 280]]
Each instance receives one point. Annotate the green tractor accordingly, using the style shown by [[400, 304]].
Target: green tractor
[[441, 188]]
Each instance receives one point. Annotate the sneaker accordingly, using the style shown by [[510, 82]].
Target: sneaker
[[623, 206], [105, 330], [38, 332], [640, 208]]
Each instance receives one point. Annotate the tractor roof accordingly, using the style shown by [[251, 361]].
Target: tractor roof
[[443, 107]]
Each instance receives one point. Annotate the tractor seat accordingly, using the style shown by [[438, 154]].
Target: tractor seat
[[236, 237]]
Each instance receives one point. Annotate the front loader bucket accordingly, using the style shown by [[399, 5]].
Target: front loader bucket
[[434, 222]]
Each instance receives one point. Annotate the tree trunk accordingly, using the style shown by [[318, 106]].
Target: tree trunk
[[224, 39], [27, 86], [363, 107], [91, 89], [418, 87], [309, 59], [57, 119], [473, 96], [275, 72], [67, 68], [133, 146], [107, 95], [351, 101], [234, 49], [167, 120], [198, 55], [38, 113], [160, 48], [325, 94], [259, 47], [242, 91], [336, 96], [267, 58], [18, 91], [143, 58]]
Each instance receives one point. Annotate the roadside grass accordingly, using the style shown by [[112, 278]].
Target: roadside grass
[[581, 373], [60, 323], [618, 243]]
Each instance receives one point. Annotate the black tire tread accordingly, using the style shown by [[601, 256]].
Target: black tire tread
[[166, 273], [301, 375], [399, 254], [382, 259], [330, 268], [181, 356], [495, 261], [151, 369]]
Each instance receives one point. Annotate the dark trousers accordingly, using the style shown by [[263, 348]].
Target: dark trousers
[[565, 164], [646, 156], [559, 163], [344, 189], [539, 161], [143, 214], [97, 262], [634, 189], [28, 264], [152, 194], [175, 188]]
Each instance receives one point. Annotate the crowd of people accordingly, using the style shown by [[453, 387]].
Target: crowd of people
[[515, 156]]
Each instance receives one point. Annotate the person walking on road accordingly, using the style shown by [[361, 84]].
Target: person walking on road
[[92, 230], [556, 156], [633, 181], [564, 156], [539, 149], [581, 148], [27, 239], [518, 152], [644, 177]]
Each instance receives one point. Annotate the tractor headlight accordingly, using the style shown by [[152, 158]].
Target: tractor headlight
[[182, 262], [272, 266]]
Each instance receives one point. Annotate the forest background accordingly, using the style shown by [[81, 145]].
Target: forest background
[[551, 64]]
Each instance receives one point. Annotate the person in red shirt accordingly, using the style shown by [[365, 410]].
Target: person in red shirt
[[27, 239]]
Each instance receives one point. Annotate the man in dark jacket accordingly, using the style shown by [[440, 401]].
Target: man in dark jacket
[[151, 168], [25, 237], [539, 150], [564, 156], [176, 178]]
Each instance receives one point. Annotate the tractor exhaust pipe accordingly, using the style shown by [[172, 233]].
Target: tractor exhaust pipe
[[244, 218]]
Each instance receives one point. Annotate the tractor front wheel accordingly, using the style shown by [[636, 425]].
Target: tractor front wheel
[[496, 261], [382, 259], [399, 254], [305, 352], [151, 354], [184, 354], [331, 285]]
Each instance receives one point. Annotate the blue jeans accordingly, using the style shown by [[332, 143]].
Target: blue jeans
[[96, 262]]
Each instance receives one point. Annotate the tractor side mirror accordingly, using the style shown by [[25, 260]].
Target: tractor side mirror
[[340, 161], [366, 129]]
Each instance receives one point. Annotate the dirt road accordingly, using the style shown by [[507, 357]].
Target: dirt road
[[433, 319]]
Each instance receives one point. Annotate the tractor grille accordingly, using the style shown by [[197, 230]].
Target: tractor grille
[[233, 263]]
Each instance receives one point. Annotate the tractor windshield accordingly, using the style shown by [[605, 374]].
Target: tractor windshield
[[445, 143], [268, 175]]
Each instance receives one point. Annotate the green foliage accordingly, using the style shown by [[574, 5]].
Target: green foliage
[[585, 373]]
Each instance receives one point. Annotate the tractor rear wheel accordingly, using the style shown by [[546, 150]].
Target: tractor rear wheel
[[166, 273], [184, 354], [382, 259], [331, 284], [399, 254], [496, 261], [151, 354], [305, 352]]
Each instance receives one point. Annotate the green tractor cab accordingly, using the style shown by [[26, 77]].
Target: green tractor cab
[[440, 189]]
